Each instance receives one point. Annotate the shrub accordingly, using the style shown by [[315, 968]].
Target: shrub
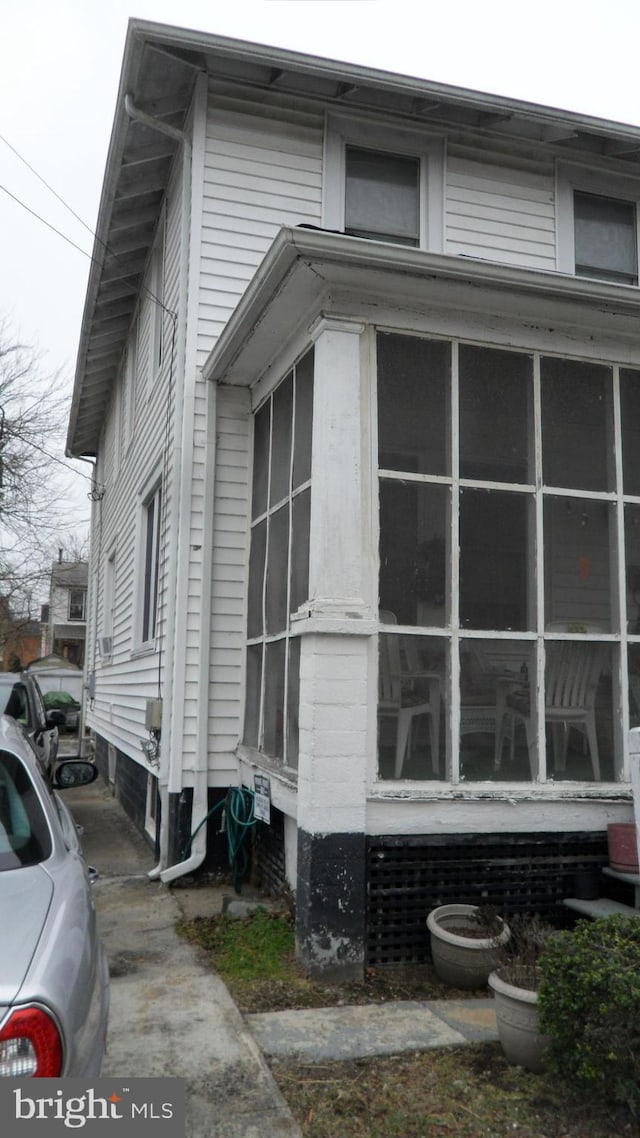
[[589, 1002]]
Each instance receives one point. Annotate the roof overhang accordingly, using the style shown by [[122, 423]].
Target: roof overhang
[[159, 71], [310, 273]]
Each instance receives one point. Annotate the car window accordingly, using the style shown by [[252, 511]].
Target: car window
[[24, 833], [13, 701]]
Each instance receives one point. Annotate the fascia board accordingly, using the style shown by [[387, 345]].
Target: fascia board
[[304, 269]]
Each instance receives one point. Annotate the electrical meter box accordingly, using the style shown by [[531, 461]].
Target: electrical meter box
[[153, 716]]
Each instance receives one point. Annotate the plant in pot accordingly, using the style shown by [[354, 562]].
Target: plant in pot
[[515, 983], [590, 1007], [467, 941]]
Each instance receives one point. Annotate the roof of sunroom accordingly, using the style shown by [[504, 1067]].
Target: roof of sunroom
[[159, 69]]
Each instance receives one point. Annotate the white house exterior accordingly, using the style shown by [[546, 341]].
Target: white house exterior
[[360, 370], [66, 627]]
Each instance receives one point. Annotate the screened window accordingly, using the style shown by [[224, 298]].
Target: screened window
[[605, 238], [382, 195], [507, 646], [278, 562]]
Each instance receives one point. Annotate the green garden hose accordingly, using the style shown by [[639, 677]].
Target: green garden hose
[[237, 819]]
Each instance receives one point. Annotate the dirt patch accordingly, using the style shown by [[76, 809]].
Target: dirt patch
[[455, 1093]]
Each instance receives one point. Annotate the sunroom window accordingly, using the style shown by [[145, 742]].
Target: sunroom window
[[279, 562], [509, 581]]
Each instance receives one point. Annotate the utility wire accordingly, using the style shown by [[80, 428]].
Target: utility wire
[[45, 183], [89, 256]]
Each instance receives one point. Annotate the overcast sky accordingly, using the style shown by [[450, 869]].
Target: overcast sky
[[60, 65]]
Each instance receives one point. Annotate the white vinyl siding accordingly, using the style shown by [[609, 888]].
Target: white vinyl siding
[[500, 214], [230, 541], [260, 174], [126, 679]]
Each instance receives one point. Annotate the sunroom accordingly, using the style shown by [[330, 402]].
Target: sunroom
[[444, 573]]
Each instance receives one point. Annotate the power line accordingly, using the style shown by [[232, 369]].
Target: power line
[[111, 253], [45, 183], [48, 224]]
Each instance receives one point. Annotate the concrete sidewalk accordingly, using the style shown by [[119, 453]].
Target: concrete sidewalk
[[172, 1016]]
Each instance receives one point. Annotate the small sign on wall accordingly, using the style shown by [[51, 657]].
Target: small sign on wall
[[262, 802]]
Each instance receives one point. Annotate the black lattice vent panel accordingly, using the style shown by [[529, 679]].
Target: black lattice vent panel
[[407, 877], [269, 850]]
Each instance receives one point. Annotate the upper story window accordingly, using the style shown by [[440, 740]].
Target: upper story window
[[605, 238], [597, 222], [382, 196], [384, 184], [77, 604]]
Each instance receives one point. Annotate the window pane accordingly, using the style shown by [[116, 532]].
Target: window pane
[[494, 682], [633, 656], [632, 567], [605, 238], [496, 560], [293, 701], [413, 404], [277, 569], [304, 420], [580, 698], [381, 196], [578, 562], [253, 687], [577, 421], [414, 528], [630, 410], [274, 698], [256, 579], [301, 511], [262, 422], [281, 440], [412, 680], [496, 419]]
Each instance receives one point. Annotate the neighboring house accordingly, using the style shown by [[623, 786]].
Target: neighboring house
[[66, 627], [360, 370], [20, 639]]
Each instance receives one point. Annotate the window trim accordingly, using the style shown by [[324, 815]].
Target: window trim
[[79, 619], [147, 618], [619, 187], [342, 131]]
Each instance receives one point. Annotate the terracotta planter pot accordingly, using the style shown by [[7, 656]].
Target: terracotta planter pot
[[463, 962], [517, 1022], [623, 847]]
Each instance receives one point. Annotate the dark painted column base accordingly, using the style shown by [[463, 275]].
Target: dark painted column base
[[180, 807], [331, 905]]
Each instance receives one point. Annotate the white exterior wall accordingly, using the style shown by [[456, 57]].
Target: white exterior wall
[[263, 170], [500, 213], [131, 458]]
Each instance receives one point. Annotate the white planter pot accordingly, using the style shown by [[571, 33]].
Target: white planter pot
[[463, 962], [517, 1022]]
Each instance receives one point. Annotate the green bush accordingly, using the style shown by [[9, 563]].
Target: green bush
[[589, 1002]]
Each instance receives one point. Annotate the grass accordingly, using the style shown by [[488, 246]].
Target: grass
[[462, 1092]]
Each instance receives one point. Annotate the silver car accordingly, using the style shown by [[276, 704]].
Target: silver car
[[54, 981]]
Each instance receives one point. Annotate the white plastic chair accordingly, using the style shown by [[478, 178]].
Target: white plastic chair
[[402, 692]]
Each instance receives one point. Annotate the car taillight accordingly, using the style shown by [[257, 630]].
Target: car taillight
[[30, 1045]]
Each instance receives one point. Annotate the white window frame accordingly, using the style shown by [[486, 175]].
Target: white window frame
[[108, 602], [147, 611], [82, 618], [569, 177], [342, 131]]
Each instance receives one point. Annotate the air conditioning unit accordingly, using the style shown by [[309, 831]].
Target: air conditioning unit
[[105, 645]]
